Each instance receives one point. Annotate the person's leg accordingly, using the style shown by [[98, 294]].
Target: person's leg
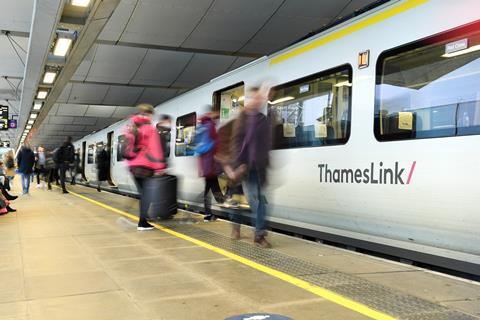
[[50, 178], [143, 204], [206, 197], [22, 178], [256, 200], [63, 170], [29, 176], [37, 173]]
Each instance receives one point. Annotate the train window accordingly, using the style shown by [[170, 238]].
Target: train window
[[430, 88], [184, 143], [121, 143], [313, 111], [90, 153], [229, 101]]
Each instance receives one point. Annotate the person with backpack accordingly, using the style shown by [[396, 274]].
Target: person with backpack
[[25, 162], [144, 155], [40, 167], [251, 145], [65, 157], [164, 128], [209, 168], [76, 167]]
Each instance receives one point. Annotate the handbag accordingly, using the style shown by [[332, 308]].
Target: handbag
[[141, 172]]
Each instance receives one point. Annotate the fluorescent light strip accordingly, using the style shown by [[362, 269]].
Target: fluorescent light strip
[[33, 116], [31, 121], [42, 94], [62, 45], [28, 127], [80, 3], [37, 106], [49, 77], [281, 100], [464, 51], [343, 84]]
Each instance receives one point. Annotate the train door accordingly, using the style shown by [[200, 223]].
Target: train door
[[110, 157], [84, 152], [229, 102]]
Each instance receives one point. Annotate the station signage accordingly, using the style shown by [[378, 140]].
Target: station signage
[[12, 124], [3, 117]]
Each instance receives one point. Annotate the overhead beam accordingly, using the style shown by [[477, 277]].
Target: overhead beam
[[178, 49], [46, 14], [101, 11], [131, 85]]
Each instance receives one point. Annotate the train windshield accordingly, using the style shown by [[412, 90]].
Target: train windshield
[[430, 88]]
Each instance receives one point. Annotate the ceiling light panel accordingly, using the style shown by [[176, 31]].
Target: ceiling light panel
[[49, 77], [62, 45], [80, 3], [33, 116], [37, 106], [42, 94]]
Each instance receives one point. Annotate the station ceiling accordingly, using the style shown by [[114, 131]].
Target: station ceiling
[[151, 51]]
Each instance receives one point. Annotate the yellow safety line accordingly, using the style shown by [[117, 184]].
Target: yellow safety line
[[384, 15], [319, 291]]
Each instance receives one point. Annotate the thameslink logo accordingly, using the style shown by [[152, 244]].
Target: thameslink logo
[[375, 174]]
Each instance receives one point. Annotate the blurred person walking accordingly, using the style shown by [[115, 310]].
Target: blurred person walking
[[66, 156], [251, 145], [9, 161], [209, 168], [164, 128], [103, 166], [76, 167], [144, 155], [25, 162], [40, 167]]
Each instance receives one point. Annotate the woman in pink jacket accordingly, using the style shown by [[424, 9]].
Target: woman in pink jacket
[[144, 154]]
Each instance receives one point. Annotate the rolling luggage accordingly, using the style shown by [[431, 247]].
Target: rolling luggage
[[160, 193]]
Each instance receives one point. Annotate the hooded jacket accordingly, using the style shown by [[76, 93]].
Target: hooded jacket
[[144, 146]]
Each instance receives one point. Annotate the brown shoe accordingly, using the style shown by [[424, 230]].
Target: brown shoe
[[260, 241]]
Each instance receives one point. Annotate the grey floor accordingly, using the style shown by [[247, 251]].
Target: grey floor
[[62, 257]]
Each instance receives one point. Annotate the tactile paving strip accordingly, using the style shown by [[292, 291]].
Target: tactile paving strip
[[399, 305]]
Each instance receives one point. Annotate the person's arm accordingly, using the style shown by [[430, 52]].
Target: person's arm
[[19, 159]]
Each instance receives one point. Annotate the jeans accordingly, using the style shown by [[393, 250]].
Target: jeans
[[25, 182], [257, 202], [211, 184], [142, 222], [63, 169]]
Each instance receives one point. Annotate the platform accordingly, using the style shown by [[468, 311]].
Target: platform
[[77, 256]]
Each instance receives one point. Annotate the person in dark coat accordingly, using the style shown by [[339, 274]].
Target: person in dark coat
[[251, 145], [65, 157], [103, 166], [25, 162]]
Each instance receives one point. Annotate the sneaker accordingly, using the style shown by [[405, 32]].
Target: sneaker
[[145, 228], [11, 209], [230, 203], [65, 191], [209, 218], [38, 186], [260, 241]]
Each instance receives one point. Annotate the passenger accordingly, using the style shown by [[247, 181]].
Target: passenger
[[4, 194], [66, 156], [251, 145], [164, 128], [25, 162], [209, 168], [51, 168], [144, 155], [40, 167], [76, 167], [103, 165], [9, 161]]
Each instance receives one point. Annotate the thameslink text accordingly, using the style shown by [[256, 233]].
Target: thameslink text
[[372, 175]]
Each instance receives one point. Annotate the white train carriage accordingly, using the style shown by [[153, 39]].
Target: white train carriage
[[377, 132]]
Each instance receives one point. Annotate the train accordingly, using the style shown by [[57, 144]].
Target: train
[[376, 133]]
